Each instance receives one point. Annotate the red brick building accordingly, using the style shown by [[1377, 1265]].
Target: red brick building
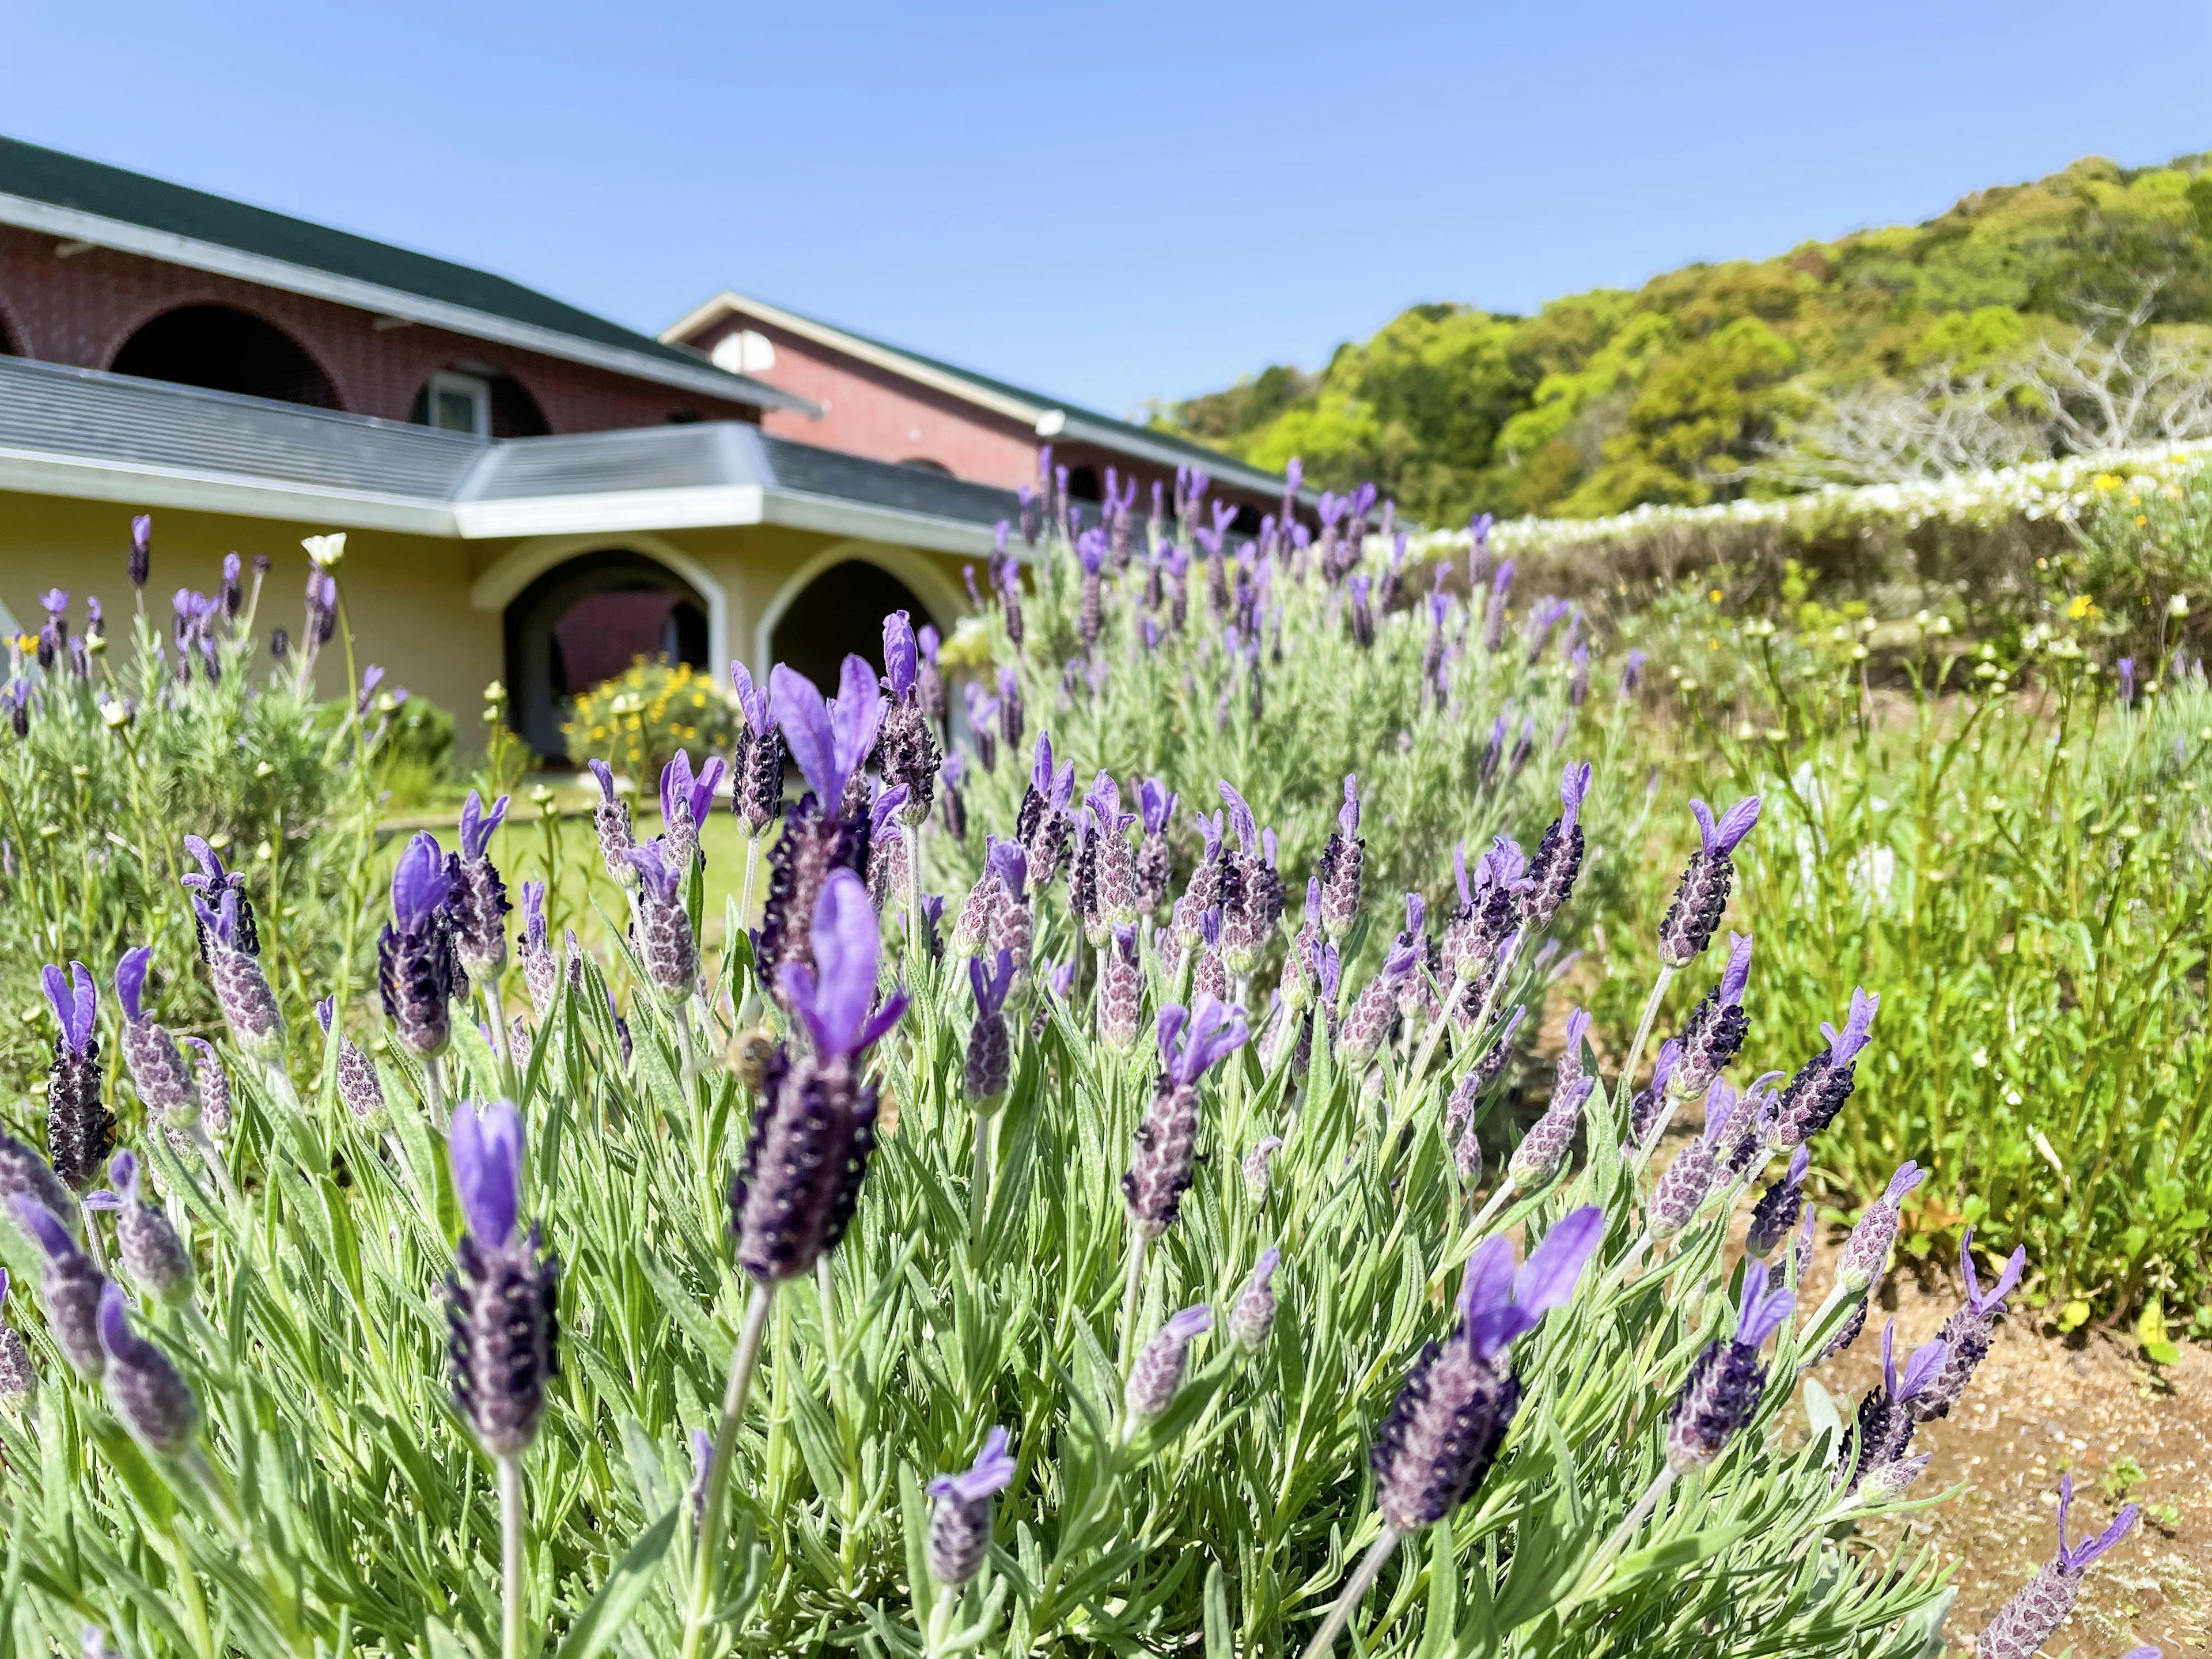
[[532, 491], [868, 398]]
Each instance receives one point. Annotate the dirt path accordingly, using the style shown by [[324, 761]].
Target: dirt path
[[2041, 1405]]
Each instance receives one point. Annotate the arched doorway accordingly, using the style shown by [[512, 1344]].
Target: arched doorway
[[585, 621], [839, 614], [225, 349]]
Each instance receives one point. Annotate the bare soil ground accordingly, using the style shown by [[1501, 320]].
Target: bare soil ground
[[2040, 1405]]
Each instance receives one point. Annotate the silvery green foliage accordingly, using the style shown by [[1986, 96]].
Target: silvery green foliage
[[1224, 1492]]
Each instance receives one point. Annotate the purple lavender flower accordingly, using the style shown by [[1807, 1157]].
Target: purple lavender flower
[[1156, 1377], [152, 1254], [1253, 1313], [2024, 1624], [213, 1087], [1643, 1110], [1257, 1161], [1167, 1140], [1865, 1254], [1558, 858], [79, 1129], [1579, 681], [1156, 806], [1702, 894], [210, 882], [990, 1056], [417, 970], [662, 929], [500, 1298], [541, 972], [242, 990], [610, 819], [1013, 715], [1632, 673], [154, 1402], [757, 764], [2126, 668], [1966, 1333], [359, 1086], [1721, 1392], [1682, 1190], [1044, 823], [1120, 991], [1825, 1082], [142, 550], [476, 898], [1775, 1216], [1458, 1400], [1716, 1026], [686, 798], [1376, 1008], [1543, 1151], [828, 830], [907, 751], [960, 1514], [800, 1179], [1493, 615], [19, 1376], [71, 1287], [1887, 1412], [1341, 863]]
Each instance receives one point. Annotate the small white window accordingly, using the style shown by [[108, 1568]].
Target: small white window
[[745, 352], [460, 403]]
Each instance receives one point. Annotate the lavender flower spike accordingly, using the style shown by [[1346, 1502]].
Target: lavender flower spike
[[79, 1129], [1966, 1333], [1558, 858], [1865, 1256], [1543, 1151], [1775, 1216], [500, 1296], [1722, 1390], [1887, 1411], [157, 1066], [153, 1255], [1157, 1376], [476, 904], [1253, 1314], [1342, 862], [1460, 1397], [71, 1288], [1702, 894], [1159, 1173], [1682, 1190], [2024, 1624], [249, 1007], [610, 817], [1716, 1027], [796, 1189], [416, 969], [19, 1376], [960, 1518], [1825, 1082], [662, 930], [156, 1404]]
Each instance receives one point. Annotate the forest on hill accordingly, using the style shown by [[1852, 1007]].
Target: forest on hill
[[2067, 315]]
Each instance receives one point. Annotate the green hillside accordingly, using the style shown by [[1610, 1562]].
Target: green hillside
[[1674, 392]]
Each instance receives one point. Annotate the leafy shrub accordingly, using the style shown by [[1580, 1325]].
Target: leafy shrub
[[2024, 877], [637, 720]]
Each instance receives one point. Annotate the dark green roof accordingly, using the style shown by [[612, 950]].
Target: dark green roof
[[92, 187]]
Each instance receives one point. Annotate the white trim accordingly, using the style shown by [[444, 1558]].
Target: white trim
[[922, 576], [474, 387], [72, 224], [137, 482], [610, 512], [519, 566]]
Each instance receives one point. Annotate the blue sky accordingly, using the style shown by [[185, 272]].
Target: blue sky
[[1110, 204]]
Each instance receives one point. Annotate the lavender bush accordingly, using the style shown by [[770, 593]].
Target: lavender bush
[[982, 1277]]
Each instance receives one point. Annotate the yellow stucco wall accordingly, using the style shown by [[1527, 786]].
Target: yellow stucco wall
[[412, 600]]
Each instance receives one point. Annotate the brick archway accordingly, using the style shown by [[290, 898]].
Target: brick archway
[[224, 349]]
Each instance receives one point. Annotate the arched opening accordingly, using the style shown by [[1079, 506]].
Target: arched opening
[[225, 349], [841, 613], [923, 464], [586, 621], [468, 399]]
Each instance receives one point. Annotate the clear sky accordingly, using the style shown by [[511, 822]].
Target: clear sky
[[1107, 203]]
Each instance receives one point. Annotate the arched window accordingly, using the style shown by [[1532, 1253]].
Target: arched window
[[491, 405], [841, 613], [225, 349], [585, 621]]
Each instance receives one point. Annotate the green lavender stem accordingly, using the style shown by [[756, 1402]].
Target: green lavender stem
[[511, 1555], [1355, 1588], [711, 1505]]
